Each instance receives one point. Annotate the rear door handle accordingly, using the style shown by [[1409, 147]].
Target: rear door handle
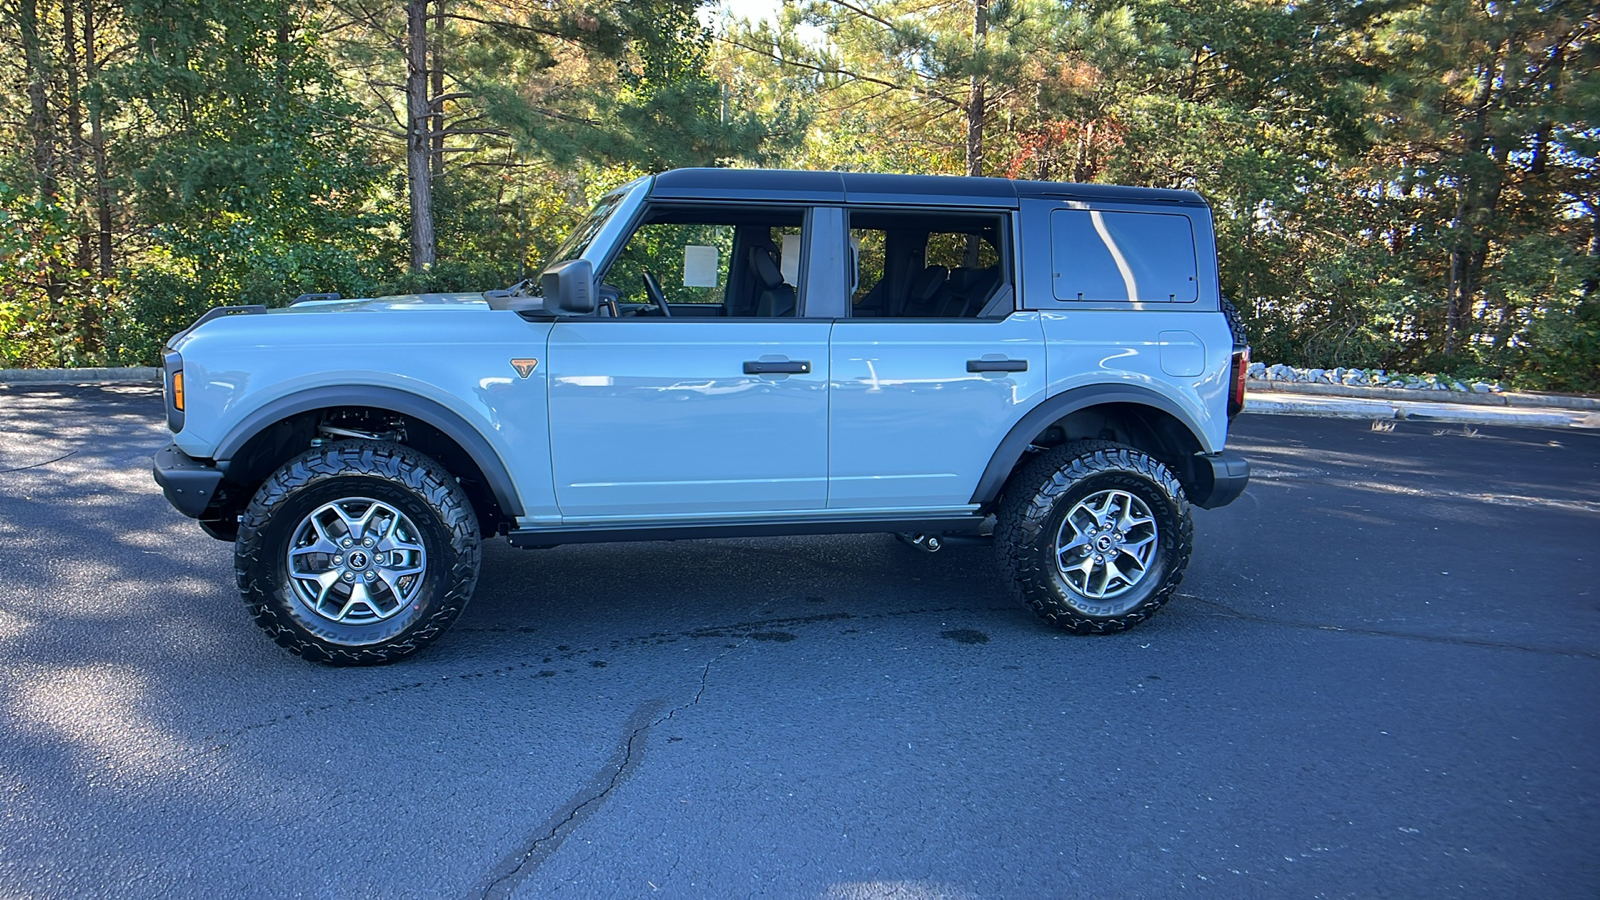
[[772, 367], [997, 365]]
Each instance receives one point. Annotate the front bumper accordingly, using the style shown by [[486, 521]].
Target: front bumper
[[1221, 478], [189, 483]]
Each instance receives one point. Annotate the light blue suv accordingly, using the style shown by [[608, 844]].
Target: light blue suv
[[718, 352]]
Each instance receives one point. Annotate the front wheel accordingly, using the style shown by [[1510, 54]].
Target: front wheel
[[357, 553], [1094, 536]]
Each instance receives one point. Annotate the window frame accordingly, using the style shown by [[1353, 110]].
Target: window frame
[[641, 216], [1196, 277], [1000, 305]]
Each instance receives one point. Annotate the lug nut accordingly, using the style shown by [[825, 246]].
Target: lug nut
[[367, 542], [338, 560], [371, 575], [349, 576], [346, 542]]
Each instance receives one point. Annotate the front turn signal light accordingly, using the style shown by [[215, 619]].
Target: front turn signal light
[[177, 391]]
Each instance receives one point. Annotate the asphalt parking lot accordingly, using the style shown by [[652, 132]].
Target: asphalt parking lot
[[1381, 678]]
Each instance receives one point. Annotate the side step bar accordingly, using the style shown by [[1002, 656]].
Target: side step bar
[[594, 534]]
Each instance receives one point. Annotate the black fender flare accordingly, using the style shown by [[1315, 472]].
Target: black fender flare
[[1056, 407], [449, 422]]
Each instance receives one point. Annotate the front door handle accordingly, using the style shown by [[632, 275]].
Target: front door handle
[[997, 365], [773, 367]]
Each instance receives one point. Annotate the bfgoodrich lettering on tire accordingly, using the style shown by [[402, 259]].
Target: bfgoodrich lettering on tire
[[1094, 536], [357, 553]]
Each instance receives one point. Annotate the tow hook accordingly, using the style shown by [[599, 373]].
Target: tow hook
[[927, 543]]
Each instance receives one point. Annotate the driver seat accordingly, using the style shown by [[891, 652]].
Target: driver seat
[[775, 297]]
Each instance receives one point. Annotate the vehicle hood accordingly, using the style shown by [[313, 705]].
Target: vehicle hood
[[395, 302]]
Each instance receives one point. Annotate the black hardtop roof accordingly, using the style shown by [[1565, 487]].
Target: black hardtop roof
[[872, 187]]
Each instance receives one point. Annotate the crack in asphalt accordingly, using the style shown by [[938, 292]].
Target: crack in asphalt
[[521, 866], [1379, 632]]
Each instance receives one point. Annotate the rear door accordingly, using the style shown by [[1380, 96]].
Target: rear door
[[933, 366]]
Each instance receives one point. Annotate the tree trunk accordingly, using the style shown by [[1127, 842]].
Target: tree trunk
[[36, 69], [1592, 284], [1477, 202], [976, 107], [436, 77], [418, 145], [975, 97], [97, 144]]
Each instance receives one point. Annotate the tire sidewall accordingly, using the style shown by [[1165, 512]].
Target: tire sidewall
[[271, 564]]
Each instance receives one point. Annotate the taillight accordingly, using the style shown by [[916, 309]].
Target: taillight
[[1241, 365]]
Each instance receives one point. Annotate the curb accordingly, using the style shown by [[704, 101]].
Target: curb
[[1273, 403], [129, 375], [1508, 398]]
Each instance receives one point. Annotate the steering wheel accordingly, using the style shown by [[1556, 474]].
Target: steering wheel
[[653, 288]]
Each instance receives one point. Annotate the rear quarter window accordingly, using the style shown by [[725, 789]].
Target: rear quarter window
[[1099, 256]]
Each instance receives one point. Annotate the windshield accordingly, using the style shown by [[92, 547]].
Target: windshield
[[583, 233]]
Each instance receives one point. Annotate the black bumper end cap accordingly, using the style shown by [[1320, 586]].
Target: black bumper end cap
[[1230, 475], [188, 483]]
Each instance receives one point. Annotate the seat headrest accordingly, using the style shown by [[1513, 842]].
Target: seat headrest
[[928, 282], [766, 270]]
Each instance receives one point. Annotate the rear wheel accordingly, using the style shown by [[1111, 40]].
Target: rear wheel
[[1094, 536], [357, 553]]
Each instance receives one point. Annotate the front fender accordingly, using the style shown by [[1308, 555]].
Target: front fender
[[446, 420]]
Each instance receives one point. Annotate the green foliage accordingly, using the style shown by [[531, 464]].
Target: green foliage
[[1406, 185]]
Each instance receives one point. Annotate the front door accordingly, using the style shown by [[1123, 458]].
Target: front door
[[701, 390]]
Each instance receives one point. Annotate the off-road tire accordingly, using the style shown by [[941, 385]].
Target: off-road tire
[[396, 475], [1040, 495]]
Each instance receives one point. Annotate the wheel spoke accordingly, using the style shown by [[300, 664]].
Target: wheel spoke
[[1105, 579], [358, 595], [323, 546], [1077, 542], [1130, 520], [390, 542], [325, 582]]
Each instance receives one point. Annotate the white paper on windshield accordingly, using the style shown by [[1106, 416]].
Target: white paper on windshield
[[790, 265], [699, 266]]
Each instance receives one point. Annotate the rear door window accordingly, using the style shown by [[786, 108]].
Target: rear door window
[[1100, 256]]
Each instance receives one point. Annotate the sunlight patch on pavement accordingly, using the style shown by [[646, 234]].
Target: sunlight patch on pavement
[[97, 711]]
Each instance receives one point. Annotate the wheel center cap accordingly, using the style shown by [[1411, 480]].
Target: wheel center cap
[[1103, 542], [358, 559]]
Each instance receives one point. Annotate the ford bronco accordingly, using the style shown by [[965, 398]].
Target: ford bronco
[[718, 352]]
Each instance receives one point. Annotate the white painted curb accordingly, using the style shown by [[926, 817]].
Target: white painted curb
[[1283, 404]]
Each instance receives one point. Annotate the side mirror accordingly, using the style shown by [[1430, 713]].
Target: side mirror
[[568, 288]]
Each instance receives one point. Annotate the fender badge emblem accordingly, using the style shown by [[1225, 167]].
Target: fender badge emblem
[[524, 367]]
